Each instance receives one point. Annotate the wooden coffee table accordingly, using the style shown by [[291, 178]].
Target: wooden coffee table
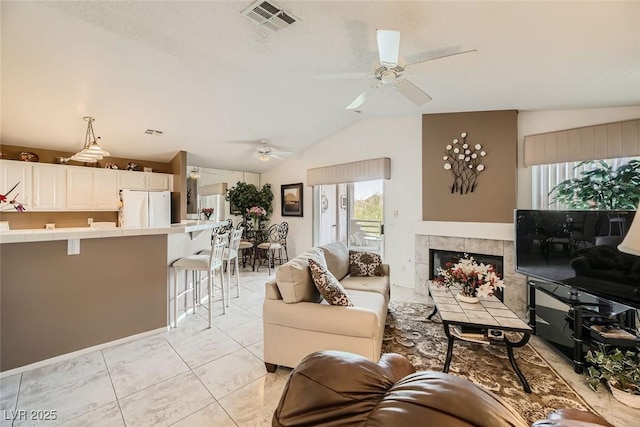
[[490, 314]]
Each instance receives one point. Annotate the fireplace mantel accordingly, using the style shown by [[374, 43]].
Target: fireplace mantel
[[474, 230]]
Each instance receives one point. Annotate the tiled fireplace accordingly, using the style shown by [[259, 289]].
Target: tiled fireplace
[[474, 239]]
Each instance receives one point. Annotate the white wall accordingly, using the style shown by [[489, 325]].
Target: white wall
[[400, 139], [534, 122]]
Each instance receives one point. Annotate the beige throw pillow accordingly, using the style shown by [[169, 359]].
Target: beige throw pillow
[[329, 287], [365, 264]]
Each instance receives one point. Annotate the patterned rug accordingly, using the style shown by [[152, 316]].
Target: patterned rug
[[423, 342]]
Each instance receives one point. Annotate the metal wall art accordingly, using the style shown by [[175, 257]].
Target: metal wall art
[[465, 164]]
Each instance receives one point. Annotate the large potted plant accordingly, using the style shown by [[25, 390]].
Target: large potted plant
[[243, 197], [620, 370], [602, 187]]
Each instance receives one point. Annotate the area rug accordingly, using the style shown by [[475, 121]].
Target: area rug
[[423, 342]]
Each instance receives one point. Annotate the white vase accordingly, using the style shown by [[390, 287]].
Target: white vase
[[469, 300], [632, 400]]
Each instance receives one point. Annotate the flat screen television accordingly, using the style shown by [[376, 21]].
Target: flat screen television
[[579, 249]]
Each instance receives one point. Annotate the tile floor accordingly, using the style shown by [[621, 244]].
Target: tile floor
[[192, 376]]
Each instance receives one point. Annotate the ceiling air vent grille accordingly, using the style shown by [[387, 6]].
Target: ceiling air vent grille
[[269, 15]]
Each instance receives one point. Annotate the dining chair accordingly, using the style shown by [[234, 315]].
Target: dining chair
[[270, 246], [284, 232]]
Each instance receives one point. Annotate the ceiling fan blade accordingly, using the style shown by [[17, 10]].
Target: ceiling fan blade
[[388, 47], [275, 156], [339, 76], [412, 92], [281, 154], [356, 103], [431, 57]]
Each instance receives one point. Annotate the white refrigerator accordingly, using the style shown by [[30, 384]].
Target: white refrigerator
[[146, 208]]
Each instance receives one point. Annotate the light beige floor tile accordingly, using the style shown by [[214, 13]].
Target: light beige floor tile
[[59, 373], [247, 333], [205, 347], [69, 400], [231, 372], [9, 391], [257, 349], [165, 403], [105, 416], [9, 387], [211, 416], [134, 350], [254, 404], [188, 328], [159, 363], [235, 316]]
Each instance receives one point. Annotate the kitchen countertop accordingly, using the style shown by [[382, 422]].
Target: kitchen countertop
[[42, 235]]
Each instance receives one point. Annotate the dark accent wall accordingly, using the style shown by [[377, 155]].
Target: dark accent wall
[[494, 198], [52, 303]]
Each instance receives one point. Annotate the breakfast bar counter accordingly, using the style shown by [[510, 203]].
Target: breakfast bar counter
[[66, 290]]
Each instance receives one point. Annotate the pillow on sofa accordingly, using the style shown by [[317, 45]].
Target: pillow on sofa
[[365, 264], [294, 278], [336, 255], [329, 287]]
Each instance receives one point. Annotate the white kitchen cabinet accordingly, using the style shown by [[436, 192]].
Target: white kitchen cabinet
[[92, 189], [16, 172], [159, 181], [104, 190], [79, 186], [133, 180], [49, 187], [145, 181]]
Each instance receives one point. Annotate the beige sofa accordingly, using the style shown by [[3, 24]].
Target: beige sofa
[[298, 322]]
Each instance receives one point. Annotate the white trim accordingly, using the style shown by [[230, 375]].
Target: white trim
[[473, 230], [73, 354]]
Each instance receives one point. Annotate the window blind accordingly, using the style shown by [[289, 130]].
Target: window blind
[[364, 170], [607, 141]]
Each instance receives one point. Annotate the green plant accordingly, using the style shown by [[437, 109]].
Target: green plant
[[243, 197], [601, 187], [616, 367]]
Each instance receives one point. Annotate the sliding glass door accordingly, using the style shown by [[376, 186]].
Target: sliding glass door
[[350, 213]]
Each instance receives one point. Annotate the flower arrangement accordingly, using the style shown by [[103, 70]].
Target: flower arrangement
[[474, 280], [6, 204], [207, 212], [256, 212]]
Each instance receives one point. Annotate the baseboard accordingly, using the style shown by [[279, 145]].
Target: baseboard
[[73, 354]]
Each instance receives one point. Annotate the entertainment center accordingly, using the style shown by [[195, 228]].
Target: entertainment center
[[583, 291]]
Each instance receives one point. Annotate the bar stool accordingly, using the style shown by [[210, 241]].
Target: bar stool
[[231, 255], [197, 264]]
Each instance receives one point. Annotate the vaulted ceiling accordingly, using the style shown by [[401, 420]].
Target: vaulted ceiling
[[216, 82]]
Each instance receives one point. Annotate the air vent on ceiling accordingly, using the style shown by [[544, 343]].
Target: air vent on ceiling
[[269, 15]]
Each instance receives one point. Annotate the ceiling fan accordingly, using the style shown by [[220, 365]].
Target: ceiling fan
[[266, 152], [390, 71]]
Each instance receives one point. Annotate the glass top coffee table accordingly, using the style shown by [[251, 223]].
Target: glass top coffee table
[[489, 315]]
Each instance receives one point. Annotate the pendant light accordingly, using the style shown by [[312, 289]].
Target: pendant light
[[91, 151]]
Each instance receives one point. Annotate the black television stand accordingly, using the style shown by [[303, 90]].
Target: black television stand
[[565, 318]]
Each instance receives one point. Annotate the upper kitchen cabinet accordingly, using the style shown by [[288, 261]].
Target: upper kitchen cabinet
[[145, 181], [49, 187], [12, 173], [92, 189]]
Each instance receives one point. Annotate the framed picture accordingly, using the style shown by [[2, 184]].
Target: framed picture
[[291, 199]]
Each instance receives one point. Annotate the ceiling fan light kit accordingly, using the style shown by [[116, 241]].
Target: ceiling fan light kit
[[390, 72], [91, 151], [265, 152]]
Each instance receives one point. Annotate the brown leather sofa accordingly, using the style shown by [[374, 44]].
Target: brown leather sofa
[[332, 388]]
